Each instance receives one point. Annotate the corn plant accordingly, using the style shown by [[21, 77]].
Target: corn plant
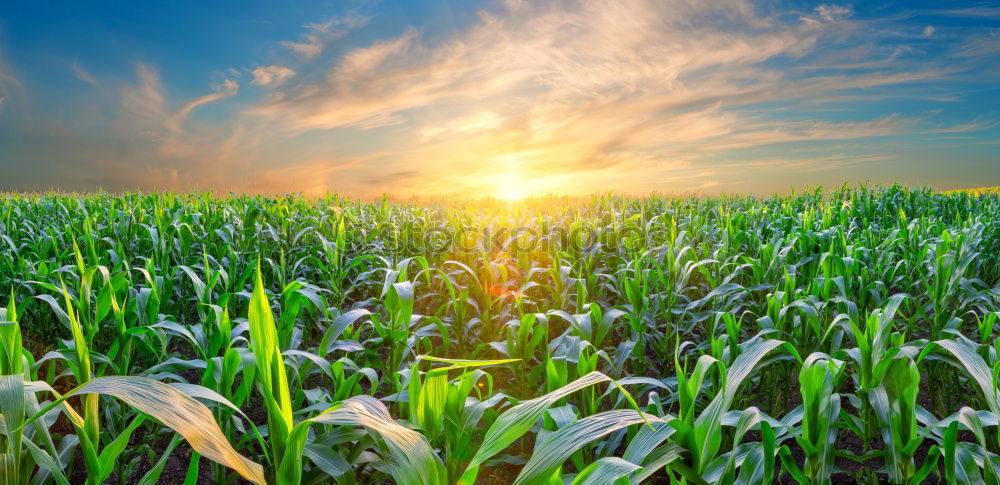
[[28, 454], [818, 379], [699, 434], [456, 341], [895, 404]]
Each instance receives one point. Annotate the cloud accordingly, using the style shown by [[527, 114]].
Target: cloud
[[81, 74], [359, 63], [317, 35], [537, 54], [143, 101], [309, 49], [141, 146], [986, 45], [593, 87], [271, 76], [484, 120], [869, 63], [827, 13], [536, 97], [832, 13], [771, 132], [813, 164], [228, 88], [982, 12], [12, 92]]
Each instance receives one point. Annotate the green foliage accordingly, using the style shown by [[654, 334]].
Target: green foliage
[[818, 379], [557, 340]]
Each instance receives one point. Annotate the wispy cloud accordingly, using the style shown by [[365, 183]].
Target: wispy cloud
[[11, 88], [827, 13], [813, 164], [145, 146], [556, 95], [983, 12], [532, 55], [143, 101], [271, 76], [587, 87], [80, 73], [982, 45], [317, 35], [229, 88], [484, 120]]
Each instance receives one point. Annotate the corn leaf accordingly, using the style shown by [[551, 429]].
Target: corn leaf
[[177, 411], [414, 461], [560, 444], [605, 471]]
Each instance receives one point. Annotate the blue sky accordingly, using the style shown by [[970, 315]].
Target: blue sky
[[504, 98]]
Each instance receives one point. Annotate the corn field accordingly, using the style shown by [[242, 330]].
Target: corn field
[[840, 337]]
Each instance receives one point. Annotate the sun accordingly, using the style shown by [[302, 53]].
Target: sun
[[511, 187], [512, 193]]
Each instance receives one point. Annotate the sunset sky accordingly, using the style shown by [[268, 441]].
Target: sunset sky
[[504, 98]]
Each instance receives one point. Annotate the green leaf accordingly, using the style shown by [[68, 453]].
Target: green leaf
[[605, 471], [152, 477], [177, 411], [414, 461], [647, 439], [270, 366], [517, 420], [560, 444], [109, 455], [977, 368], [12, 408]]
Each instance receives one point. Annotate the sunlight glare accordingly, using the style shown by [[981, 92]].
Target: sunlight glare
[[512, 192], [511, 186]]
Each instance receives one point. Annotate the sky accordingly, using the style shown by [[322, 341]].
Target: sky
[[437, 98]]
